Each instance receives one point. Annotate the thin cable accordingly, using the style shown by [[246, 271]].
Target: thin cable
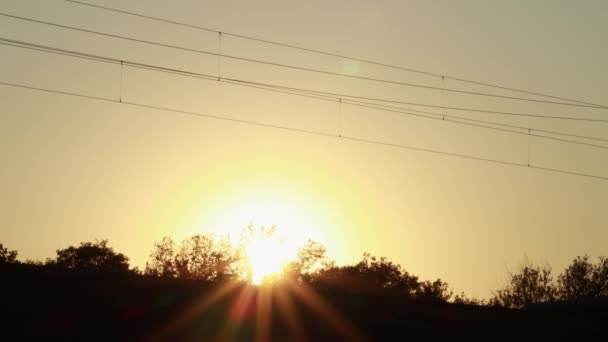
[[58, 51], [167, 109], [436, 106], [219, 56], [487, 122], [277, 91], [410, 112], [285, 128], [319, 96], [438, 116], [486, 127], [296, 47], [293, 67], [122, 65], [442, 97], [529, 138], [374, 106], [340, 117]]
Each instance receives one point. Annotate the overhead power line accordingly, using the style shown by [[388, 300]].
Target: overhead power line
[[409, 111], [437, 116], [294, 67], [285, 128], [366, 61], [415, 103], [343, 95], [310, 94], [487, 122]]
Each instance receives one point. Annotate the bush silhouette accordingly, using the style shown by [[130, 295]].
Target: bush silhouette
[[436, 291], [211, 259], [91, 257], [7, 257], [200, 257], [583, 280], [161, 262], [204, 258], [530, 285]]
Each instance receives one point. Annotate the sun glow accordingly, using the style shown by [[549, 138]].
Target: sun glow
[[266, 251], [266, 255]]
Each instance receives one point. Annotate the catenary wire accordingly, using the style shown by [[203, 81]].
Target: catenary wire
[[294, 67], [366, 61], [314, 95], [286, 128]]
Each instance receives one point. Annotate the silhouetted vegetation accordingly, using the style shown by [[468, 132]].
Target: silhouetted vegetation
[[212, 259], [6, 256], [531, 285], [534, 285], [583, 280], [201, 257], [91, 257], [374, 293]]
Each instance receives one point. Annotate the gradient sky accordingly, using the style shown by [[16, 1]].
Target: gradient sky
[[73, 169]]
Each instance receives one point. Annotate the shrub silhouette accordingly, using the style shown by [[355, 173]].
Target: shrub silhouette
[[7, 257], [380, 276], [311, 258], [463, 299], [583, 280], [530, 285], [161, 262], [91, 257], [204, 258], [211, 259], [436, 291], [200, 257]]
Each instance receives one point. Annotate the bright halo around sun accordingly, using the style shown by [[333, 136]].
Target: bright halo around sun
[[266, 254]]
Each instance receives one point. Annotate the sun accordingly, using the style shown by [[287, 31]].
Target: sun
[[291, 218], [265, 260], [266, 254]]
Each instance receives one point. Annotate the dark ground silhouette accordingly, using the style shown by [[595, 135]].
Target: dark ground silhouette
[[70, 306], [88, 293]]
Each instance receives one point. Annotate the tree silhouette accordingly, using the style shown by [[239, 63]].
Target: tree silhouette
[[7, 257], [311, 258], [203, 257], [248, 236], [161, 262], [377, 275], [91, 257], [436, 291], [583, 280], [462, 298], [531, 285]]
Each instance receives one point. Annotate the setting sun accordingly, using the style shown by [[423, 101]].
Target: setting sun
[[303, 170], [291, 219], [266, 258], [259, 203]]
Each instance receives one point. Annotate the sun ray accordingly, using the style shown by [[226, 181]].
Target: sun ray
[[185, 317], [264, 313], [289, 314], [238, 313], [325, 311], [266, 254]]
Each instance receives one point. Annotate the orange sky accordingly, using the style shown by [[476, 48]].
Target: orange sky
[[76, 169]]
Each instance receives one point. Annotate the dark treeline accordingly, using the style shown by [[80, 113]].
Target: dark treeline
[[91, 292], [209, 259]]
